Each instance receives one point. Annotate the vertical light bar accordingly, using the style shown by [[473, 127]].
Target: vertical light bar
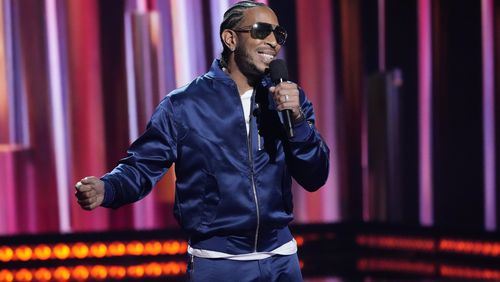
[[196, 37], [157, 49], [367, 208], [5, 108], [130, 72], [316, 77], [182, 46], [425, 111], [488, 115], [17, 83], [58, 131], [167, 45], [381, 35], [142, 6], [8, 216], [9, 71], [217, 9]]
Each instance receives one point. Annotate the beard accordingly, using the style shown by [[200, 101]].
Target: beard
[[247, 67]]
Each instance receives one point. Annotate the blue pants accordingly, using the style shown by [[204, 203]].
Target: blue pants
[[273, 269]]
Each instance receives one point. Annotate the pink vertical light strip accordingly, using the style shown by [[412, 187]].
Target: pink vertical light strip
[[130, 71], [16, 82], [9, 70], [367, 206], [5, 100], [167, 45], [487, 20], [8, 215], [142, 6], [316, 75], [367, 209], [144, 212], [158, 54], [182, 46], [425, 111], [381, 35], [217, 9], [85, 92], [196, 38], [58, 128]]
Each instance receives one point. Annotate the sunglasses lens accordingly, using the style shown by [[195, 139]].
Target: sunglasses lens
[[261, 30], [280, 34]]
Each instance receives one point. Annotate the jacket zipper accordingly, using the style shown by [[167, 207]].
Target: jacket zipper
[[250, 159]]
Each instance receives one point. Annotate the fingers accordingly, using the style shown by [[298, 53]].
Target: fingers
[[85, 195], [87, 183], [286, 96], [88, 204], [89, 192], [90, 180]]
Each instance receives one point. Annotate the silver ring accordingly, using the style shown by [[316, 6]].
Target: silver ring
[[286, 98]]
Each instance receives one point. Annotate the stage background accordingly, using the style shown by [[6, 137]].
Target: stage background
[[405, 94]]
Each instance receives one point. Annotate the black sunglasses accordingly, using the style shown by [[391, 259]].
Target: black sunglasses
[[262, 30]]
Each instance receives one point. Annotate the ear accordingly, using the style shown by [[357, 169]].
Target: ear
[[230, 39]]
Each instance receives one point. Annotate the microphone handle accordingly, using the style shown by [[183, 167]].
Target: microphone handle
[[287, 116], [287, 119]]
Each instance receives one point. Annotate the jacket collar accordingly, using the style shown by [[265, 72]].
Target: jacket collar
[[217, 73]]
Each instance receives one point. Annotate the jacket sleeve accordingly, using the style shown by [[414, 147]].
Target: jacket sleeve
[[308, 154], [147, 160]]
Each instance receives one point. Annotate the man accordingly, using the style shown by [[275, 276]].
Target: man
[[234, 162]]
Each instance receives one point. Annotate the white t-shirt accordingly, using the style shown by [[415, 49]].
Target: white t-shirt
[[246, 101]]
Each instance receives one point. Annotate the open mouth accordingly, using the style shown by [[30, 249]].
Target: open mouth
[[266, 57]]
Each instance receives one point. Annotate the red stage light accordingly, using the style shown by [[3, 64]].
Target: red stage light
[[61, 251], [6, 276], [117, 249], [80, 273], [135, 248], [6, 254], [98, 250], [23, 253], [153, 248], [42, 252], [80, 250], [24, 275], [43, 274], [117, 272], [99, 272], [62, 273]]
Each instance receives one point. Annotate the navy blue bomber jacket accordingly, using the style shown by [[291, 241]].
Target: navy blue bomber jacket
[[233, 190]]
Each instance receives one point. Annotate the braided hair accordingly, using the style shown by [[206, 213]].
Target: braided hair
[[232, 17]]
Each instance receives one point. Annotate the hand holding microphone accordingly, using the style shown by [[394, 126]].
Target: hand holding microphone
[[285, 94]]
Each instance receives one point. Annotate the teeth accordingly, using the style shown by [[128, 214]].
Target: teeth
[[266, 58]]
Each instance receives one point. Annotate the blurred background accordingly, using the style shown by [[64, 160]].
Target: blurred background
[[404, 93]]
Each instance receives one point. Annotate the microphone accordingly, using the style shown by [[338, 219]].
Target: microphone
[[279, 73]]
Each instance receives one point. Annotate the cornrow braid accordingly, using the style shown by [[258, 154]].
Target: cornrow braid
[[232, 17]]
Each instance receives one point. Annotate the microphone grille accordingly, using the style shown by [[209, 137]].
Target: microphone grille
[[278, 71]]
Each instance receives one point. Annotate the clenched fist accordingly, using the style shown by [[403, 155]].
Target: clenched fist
[[90, 192]]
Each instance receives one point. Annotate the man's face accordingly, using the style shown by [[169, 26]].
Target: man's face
[[252, 55]]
